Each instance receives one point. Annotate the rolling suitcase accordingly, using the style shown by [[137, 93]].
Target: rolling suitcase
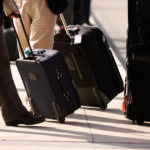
[[138, 63], [11, 44], [90, 63], [49, 86]]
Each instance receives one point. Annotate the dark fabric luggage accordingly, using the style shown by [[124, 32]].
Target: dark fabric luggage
[[11, 44], [49, 86], [138, 65], [91, 65]]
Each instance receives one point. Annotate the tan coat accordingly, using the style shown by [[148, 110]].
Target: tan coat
[[9, 7]]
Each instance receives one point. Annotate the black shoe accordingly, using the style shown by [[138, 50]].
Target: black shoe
[[27, 119], [88, 23]]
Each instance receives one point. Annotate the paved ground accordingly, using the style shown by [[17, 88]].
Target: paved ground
[[88, 128]]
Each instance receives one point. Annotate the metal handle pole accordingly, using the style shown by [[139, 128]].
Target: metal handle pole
[[11, 20], [65, 25], [27, 38], [19, 16]]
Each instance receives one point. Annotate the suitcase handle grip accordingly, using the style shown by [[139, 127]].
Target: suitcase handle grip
[[11, 20], [17, 15]]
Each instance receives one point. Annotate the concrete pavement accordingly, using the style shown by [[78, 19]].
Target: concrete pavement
[[88, 128]]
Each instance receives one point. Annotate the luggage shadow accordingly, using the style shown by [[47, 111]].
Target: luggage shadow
[[82, 135], [110, 110], [98, 119], [81, 124], [104, 119]]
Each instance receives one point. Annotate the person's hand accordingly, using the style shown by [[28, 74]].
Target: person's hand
[[15, 12]]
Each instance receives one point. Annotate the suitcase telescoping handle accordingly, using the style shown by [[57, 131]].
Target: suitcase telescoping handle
[[65, 26], [11, 20], [19, 16]]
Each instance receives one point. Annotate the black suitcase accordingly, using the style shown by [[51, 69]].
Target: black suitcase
[[91, 65], [11, 44], [138, 64], [49, 86]]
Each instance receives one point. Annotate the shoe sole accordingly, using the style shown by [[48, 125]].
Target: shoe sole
[[31, 123]]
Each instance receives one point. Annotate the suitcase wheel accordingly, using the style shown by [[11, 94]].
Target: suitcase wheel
[[103, 107], [125, 114], [133, 121], [60, 120], [140, 122]]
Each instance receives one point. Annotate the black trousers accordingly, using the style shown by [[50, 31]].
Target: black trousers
[[86, 10], [11, 105], [81, 11], [68, 14]]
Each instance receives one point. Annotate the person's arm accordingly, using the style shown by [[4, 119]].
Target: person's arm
[[10, 7]]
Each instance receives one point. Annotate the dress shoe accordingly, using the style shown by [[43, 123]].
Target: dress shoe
[[27, 119]]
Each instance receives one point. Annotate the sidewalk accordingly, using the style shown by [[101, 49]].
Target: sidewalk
[[88, 128]]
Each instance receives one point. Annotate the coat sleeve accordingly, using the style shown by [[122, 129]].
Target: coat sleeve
[[9, 7]]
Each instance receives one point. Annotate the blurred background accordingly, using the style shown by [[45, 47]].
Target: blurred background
[[108, 15]]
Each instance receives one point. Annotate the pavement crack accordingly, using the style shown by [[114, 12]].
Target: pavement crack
[[89, 125]]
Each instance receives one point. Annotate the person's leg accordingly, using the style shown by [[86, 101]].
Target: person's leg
[[42, 27], [68, 14], [13, 111], [10, 102], [24, 7], [86, 11], [77, 12]]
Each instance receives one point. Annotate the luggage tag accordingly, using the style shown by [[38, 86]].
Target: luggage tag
[[77, 39]]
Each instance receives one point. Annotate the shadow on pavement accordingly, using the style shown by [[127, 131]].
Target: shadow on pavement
[[80, 135], [109, 110], [104, 119]]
